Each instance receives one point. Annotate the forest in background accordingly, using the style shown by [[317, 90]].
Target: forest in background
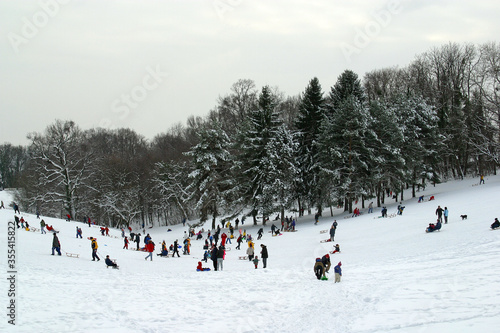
[[260, 153]]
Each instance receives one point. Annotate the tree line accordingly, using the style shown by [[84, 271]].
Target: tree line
[[259, 153]]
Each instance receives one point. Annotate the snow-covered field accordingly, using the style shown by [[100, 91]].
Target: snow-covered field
[[396, 278]]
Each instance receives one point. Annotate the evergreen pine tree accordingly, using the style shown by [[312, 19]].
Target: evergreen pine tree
[[311, 114]]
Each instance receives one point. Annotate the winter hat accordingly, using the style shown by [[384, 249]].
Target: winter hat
[[340, 263], [327, 255]]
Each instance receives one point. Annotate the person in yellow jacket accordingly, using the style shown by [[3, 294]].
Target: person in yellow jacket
[[94, 249]]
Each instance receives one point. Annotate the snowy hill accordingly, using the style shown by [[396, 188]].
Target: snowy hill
[[396, 278]]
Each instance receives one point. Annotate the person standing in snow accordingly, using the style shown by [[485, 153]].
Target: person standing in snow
[[56, 245], [332, 230], [213, 256], [338, 272], [370, 208], [316, 218], [220, 257], [42, 227], [384, 211], [125, 243], [16, 208], [256, 261], [94, 247], [216, 236], [1, 205], [445, 214], [78, 232], [264, 255], [138, 240], [176, 249], [250, 252], [439, 213], [481, 179], [150, 247]]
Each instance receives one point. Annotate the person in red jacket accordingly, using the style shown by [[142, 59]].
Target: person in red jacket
[[125, 240], [150, 247], [223, 238]]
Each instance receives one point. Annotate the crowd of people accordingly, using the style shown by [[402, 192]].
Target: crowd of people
[[217, 240]]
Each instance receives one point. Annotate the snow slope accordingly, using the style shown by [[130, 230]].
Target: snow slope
[[396, 277]]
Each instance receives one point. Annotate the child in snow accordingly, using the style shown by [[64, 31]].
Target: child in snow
[[256, 261], [337, 248], [338, 272]]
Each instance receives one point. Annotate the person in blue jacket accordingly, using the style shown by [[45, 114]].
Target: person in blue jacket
[[445, 214], [338, 272]]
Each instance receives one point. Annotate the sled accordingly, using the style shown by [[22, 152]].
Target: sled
[[243, 257], [323, 231], [392, 215], [34, 229], [203, 270], [325, 240], [290, 230], [274, 235], [332, 252], [72, 255], [347, 217], [324, 278]]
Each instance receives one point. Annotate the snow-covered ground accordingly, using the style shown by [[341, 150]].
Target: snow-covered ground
[[396, 278]]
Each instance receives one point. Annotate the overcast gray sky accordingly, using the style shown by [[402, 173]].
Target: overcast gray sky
[[148, 65]]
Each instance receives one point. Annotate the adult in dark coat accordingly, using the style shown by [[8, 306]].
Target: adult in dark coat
[[138, 240], [332, 230], [264, 254], [213, 255], [439, 213], [56, 245]]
